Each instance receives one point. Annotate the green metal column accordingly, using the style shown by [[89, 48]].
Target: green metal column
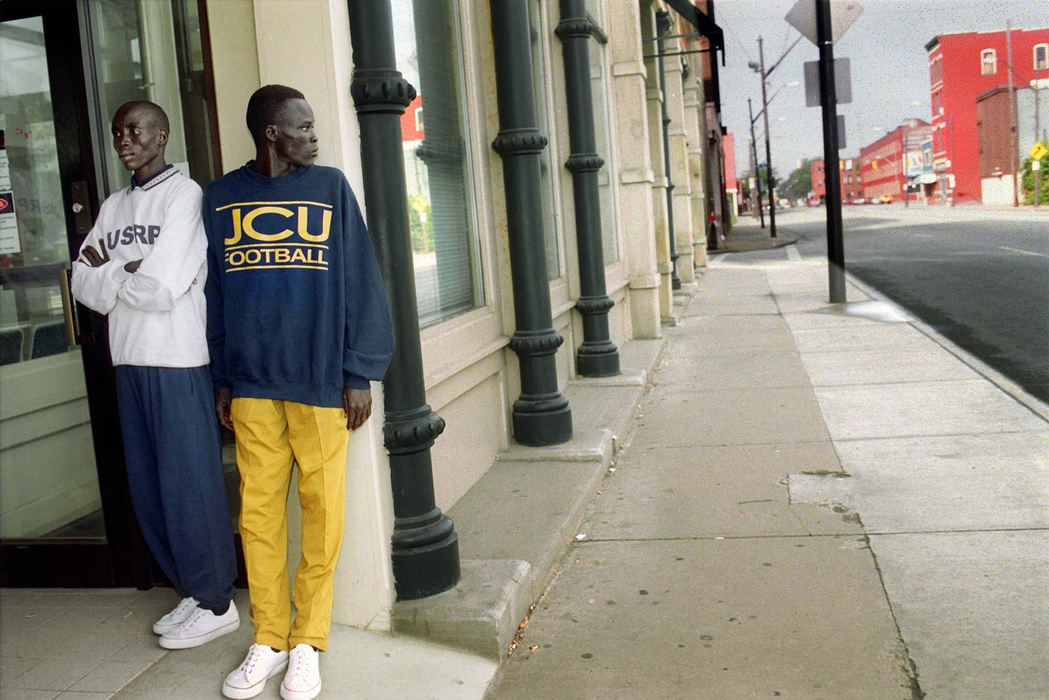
[[425, 545], [541, 415], [663, 25], [598, 355]]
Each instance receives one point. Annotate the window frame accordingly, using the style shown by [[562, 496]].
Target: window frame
[[480, 291], [1043, 64], [984, 63]]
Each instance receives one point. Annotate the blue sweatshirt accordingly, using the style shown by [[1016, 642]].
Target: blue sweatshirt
[[295, 302]]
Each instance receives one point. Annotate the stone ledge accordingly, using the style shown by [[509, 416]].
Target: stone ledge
[[481, 614], [588, 446]]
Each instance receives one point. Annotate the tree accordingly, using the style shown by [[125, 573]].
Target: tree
[[1028, 181], [763, 181], [798, 184]]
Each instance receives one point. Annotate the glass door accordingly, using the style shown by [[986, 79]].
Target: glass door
[[65, 518]]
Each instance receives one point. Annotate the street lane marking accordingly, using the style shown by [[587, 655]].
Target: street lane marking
[[1022, 252]]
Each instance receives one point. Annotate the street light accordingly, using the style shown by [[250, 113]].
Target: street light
[[760, 68]]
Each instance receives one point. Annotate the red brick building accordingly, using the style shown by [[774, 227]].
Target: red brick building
[[412, 120], [851, 179], [728, 163], [851, 186], [963, 66], [819, 180], [883, 164]]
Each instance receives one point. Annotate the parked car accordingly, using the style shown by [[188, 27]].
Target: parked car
[[885, 199]]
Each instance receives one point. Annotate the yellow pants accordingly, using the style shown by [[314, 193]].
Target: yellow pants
[[270, 436]]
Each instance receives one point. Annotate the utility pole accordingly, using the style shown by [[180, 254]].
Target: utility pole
[[754, 160], [760, 68], [903, 165], [768, 145], [1038, 172], [1014, 146]]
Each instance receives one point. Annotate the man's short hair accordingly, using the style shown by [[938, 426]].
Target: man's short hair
[[156, 110], [265, 105]]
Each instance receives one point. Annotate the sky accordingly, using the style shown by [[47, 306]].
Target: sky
[[889, 68]]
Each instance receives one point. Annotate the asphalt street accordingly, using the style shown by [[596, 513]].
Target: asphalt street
[[978, 277]]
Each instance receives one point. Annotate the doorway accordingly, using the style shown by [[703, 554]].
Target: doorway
[[65, 513], [65, 518]]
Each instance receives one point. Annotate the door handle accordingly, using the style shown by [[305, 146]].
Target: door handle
[[81, 207], [69, 308]]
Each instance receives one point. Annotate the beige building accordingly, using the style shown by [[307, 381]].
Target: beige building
[[68, 65]]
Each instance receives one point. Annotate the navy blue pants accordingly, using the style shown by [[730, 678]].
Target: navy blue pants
[[173, 451]]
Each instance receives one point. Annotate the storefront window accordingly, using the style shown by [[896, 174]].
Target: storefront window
[[152, 51], [48, 482], [437, 160]]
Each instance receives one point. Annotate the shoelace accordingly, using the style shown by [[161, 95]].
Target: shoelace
[[300, 665], [181, 608], [191, 621], [252, 659]]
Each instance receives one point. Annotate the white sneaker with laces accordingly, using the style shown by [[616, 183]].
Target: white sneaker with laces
[[303, 679], [176, 617], [200, 627], [258, 666]]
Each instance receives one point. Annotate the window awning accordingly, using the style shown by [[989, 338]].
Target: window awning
[[703, 23]]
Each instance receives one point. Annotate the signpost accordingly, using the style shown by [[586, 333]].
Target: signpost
[[1038, 152], [814, 20]]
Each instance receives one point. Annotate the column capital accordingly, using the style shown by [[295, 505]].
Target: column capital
[[536, 343], [515, 142], [380, 90], [574, 28], [584, 163], [411, 430]]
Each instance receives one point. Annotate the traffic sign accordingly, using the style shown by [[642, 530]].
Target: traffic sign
[[842, 82], [1038, 151], [843, 13]]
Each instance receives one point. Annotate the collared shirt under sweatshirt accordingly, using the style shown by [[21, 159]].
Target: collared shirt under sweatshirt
[[156, 314], [296, 306]]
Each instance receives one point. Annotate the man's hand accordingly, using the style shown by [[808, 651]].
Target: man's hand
[[92, 257], [358, 405], [224, 407], [133, 265]]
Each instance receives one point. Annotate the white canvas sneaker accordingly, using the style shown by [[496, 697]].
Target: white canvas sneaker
[[176, 617], [303, 679], [258, 666], [200, 627]]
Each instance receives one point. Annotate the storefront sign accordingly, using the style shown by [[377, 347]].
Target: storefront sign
[[9, 242]]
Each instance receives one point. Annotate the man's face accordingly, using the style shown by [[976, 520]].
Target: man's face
[[296, 143], [139, 140]]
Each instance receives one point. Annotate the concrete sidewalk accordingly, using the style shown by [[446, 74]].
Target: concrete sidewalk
[[819, 501], [782, 498]]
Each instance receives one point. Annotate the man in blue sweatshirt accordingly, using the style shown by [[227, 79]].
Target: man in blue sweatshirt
[[298, 327]]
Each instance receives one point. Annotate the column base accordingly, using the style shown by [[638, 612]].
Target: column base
[[549, 427], [602, 361], [420, 572]]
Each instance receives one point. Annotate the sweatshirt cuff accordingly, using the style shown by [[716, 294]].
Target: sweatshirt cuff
[[354, 382]]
